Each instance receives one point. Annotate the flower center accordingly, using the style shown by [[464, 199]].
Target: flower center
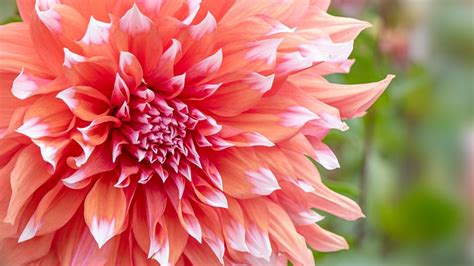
[[156, 128]]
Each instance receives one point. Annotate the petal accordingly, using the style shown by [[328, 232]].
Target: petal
[[55, 209], [324, 155], [179, 236], [48, 32], [165, 69], [52, 149], [76, 245], [46, 117], [99, 161], [97, 131], [233, 223], [209, 195], [351, 100], [23, 186], [144, 40], [188, 219], [206, 26], [200, 254], [286, 238], [134, 22], [131, 69], [207, 67], [322, 197], [26, 85], [9, 104], [14, 253], [26, 7], [322, 240], [212, 230], [155, 206], [85, 102], [98, 72], [97, 32], [105, 222], [234, 98], [18, 51], [244, 175], [341, 29]]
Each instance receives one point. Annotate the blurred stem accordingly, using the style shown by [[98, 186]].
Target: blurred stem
[[364, 172]]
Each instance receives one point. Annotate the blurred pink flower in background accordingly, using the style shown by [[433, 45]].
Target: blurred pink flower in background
[[349, 7], [136, 132]]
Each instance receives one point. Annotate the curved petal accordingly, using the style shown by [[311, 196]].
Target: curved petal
[[28, 165], [286, 237], [18, 51], [244, 175], [234, 98], [322, 240], [105, 222], [100, 161], [351, 100], [55, 209], [85, 102], [46, 117]]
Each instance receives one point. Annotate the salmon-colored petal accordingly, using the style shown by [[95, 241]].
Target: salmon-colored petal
[[14, 253], [9, 104], [286, 237], [76, 246], [211, 230], [200, 254], [233, 221], [26, 8], [188, 219], [209, 194], [98, 72], [242, 177], [8, 148], [205, 68], [22, 183], [85, 102], [52, 149], [55, 209], [5, 182], [100, 161], [130, 69], [144, 40], [18, 51], [179, 237], [234, 98], [322, 197], [104, 222], [53, 28], [26, 85], [351, 100], [321, 239], [46, 117], [340, 29], [154, 195]]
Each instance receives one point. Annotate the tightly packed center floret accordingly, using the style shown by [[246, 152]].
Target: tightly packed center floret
[[156, 128]]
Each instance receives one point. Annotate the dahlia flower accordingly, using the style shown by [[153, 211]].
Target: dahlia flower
[[177, 132]]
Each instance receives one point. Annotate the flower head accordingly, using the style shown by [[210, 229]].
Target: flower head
[[172, 131]]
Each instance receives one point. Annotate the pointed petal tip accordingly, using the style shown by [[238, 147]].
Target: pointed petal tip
[[102, 230]]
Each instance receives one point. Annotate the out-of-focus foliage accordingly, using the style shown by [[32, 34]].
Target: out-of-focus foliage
[[403, 161]]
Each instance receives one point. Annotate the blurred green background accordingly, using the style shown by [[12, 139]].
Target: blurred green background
[[409, 162]]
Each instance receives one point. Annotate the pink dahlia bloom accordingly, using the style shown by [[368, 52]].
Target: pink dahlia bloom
[[172, 132]]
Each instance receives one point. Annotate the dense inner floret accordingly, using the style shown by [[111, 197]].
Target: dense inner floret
[[156, 128]]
